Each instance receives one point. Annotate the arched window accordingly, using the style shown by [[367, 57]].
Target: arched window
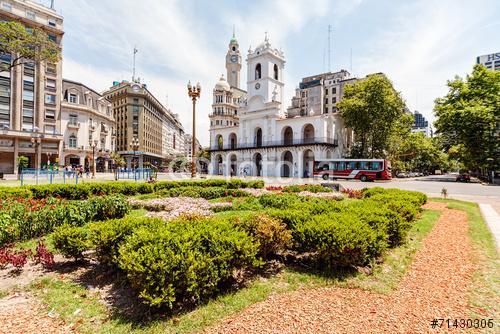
[[258, 72], [220, 142], [234, 48], [276, 72], [258, 137], [72, 141]]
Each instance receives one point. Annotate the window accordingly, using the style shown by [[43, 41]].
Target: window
[[53, 38], [73, 119], [258, 72], [50, 84], [50, 114], [52, 23], [72, 98], [30, 15], [51, 69], [72, 141], [334, 99], [50, 99], [326, 101], [7, 6], [334, 90], [50, 129], [28, 95], [326, 91], [276, 72]]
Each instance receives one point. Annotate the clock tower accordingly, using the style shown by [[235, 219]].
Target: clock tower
[[233, 63]]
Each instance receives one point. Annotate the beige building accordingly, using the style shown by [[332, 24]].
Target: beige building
[[140, 116], [30, 95], [88, 127]]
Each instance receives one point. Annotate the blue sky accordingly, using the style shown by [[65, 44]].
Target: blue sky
[[418, 44]]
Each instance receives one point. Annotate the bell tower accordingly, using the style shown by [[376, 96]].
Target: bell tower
[[233, 63]]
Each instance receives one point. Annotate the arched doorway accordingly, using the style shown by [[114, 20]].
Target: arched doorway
[[233, 169], [308, 134], [233, 141], [258, 137], [288, 136], [72, 160], [257, 160], [329, 154], [308, 163], [218, 164], [287, 167], [100, 161]]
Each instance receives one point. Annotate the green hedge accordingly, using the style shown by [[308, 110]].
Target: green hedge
[[25, 219], [71, 241], [340, 240], [207, 193], [184, 262]]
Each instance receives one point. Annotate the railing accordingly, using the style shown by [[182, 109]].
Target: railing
[[48, 176], [74, 125], [133, 174], [278, 143]]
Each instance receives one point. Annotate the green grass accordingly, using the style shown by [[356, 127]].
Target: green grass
[[65, 297], [485, 290], [137, 213], [32, 243]]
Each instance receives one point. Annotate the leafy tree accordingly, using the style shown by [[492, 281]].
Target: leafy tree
[[468, 118], [419, 153], [371, 107], [25, 45]]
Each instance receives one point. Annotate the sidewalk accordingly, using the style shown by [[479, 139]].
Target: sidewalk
[[493, 220]]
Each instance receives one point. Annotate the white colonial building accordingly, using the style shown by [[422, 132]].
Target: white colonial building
[[252, 133]]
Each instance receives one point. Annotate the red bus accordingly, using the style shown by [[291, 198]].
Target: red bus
[[359, 169]]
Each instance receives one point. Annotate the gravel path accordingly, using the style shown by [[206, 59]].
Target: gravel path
[[22, 314], [435, 286]]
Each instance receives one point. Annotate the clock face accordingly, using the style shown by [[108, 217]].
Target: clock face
[[234, 58], [136, 88], [257, 85]]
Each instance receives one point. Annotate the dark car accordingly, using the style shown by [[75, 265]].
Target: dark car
[[464, 177]]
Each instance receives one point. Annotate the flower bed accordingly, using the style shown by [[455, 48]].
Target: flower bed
[[172, 207]]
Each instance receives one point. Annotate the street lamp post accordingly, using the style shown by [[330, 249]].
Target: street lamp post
[[134, 145], [194, 94], [93, 144]]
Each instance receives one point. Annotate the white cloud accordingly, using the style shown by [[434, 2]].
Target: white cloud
[[424, 46], [173, 47]]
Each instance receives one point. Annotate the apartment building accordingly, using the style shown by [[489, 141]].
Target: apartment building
[[141, 119], [88, 127], [30, 95], [491, 61]]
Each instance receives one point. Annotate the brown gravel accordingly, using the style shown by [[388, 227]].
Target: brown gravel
[[20, 314], [435, 286]]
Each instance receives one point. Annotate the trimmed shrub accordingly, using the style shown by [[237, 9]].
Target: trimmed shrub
[[313, 188], [106, 237], [257, 184], [7, 192], [184, 262], [271, 234], [71, 241], [340, 240], [289, 217]]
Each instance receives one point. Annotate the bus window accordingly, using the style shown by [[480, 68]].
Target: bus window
[[348, 165], [341, 166], [376, 165], [369, 166], [325, 166], [333, 166]]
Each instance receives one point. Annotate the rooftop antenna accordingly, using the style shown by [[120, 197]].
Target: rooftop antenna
[[166, 101], [51, 4], [133, 72], [329, 48], [351, 64], [233, 31]]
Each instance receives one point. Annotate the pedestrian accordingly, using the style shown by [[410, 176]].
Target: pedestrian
[[87, 171]]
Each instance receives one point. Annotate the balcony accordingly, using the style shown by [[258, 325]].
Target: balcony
[[73, 125], [331, 142], [104, 130]]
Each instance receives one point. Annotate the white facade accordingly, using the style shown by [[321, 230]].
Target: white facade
[[86, 121], [264, 140]]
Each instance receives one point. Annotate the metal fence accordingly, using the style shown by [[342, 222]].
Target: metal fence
[[48, 176], [133, 174]]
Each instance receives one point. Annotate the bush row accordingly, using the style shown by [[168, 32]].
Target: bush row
[[23, 219], [86, 190], [184, 261], [207, 193]]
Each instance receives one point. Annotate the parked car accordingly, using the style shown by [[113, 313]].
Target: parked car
[[464, 177], [401, 175]]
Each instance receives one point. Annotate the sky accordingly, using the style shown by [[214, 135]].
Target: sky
[[418, 44]]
